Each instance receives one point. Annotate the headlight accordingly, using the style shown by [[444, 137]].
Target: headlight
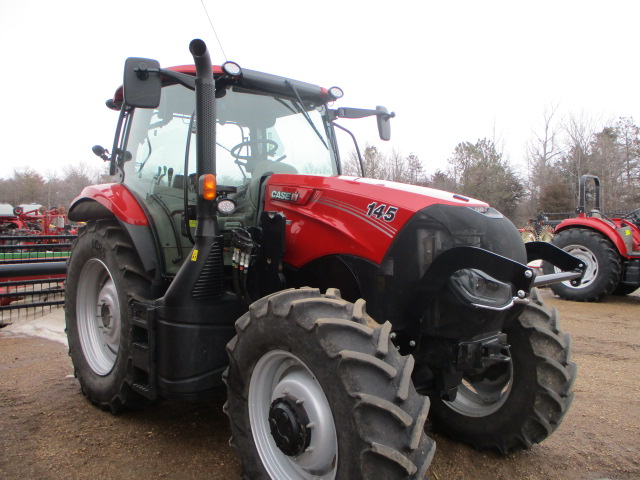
[[481, 290], [488, 212]]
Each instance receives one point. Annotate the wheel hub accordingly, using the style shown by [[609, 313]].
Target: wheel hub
[[289, 422], [98, 311], [587, 257], [284, 390], [105, 315]]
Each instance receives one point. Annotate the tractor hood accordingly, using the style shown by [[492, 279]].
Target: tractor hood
[[349, 215]]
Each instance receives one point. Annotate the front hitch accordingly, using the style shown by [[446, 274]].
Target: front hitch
[[521, 277], [573, 267]]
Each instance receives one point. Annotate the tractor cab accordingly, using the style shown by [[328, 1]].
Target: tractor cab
[[257, 135], [264, 125]]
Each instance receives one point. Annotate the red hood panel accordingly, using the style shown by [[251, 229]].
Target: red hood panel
[[347, 215]]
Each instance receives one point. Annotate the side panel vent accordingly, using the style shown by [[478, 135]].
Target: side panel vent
[[210, 283]]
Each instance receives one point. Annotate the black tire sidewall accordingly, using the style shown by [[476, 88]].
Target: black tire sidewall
[[508, 418], [622, 289], [104, 390], [253, 347], [609, 266]]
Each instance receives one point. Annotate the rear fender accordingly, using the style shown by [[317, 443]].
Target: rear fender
[[111, 199], [116, 201], [598, 225]]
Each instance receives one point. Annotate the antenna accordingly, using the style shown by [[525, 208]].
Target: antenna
[[214, 30]]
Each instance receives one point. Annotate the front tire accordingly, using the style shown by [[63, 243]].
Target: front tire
[[317, 390], [603, 267], [514, 405], [103, 273]]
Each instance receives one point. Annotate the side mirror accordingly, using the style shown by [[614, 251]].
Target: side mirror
[[142, 83], [384, 123], [383, 118]]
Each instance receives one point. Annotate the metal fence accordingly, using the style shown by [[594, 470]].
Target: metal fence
[[32, 274]]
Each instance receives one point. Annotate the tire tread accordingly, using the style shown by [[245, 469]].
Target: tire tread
[[372, 373]]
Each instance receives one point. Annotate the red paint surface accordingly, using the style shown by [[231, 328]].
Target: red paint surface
[[118, 199], [605, 229], [330, 214]]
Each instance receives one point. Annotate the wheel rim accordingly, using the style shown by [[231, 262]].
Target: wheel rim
[[98, 316], [277, 376], [590, 261], [479, 396]]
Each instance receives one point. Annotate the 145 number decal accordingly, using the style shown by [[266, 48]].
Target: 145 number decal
[[387, 213]]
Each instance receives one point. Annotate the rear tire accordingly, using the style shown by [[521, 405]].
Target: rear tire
[[520, 403], [103, 274], [623, 289], [603, 271], [320, 367]]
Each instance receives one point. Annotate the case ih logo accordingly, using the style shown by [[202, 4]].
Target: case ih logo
[[285, 196]]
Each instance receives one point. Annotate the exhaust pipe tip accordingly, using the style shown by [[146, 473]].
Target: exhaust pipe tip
[[197, 47]]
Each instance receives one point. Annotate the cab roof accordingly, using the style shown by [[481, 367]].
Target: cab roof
[[249, 79]]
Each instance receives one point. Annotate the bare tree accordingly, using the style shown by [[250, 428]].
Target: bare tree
[[628, 135], [541, 151], [75, 178], [373, 161], [397, 168], [415, 170], [575, 161]]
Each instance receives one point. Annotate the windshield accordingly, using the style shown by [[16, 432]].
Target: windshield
[[252, 130]]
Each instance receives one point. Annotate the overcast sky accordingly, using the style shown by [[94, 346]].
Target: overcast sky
[[452, 71]]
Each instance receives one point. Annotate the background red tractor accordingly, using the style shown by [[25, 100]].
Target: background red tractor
[[609, 247]]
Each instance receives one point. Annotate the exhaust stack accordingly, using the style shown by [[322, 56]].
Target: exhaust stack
[[200, 279], [206, 134]]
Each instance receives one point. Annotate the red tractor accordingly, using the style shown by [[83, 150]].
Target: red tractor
[[609, 247], [204, 263]]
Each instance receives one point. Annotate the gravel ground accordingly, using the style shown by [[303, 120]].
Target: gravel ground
[[49, 431]]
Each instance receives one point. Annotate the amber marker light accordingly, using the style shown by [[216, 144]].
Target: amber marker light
[[208, 186]]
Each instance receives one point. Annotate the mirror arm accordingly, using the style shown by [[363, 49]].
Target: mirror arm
[[183, 79], [360, 113]]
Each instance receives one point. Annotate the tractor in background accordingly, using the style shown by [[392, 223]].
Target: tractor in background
[[609, 247]]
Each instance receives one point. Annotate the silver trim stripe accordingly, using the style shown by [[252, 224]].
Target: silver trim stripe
[[350, 209], [380, 222]]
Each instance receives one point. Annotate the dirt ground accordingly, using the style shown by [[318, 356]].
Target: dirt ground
[[49, 431]]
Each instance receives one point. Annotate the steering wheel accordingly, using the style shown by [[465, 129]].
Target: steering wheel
[[272, 147], [633, 216]]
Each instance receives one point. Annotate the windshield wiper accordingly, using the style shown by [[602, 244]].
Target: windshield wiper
[[300, 107]]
